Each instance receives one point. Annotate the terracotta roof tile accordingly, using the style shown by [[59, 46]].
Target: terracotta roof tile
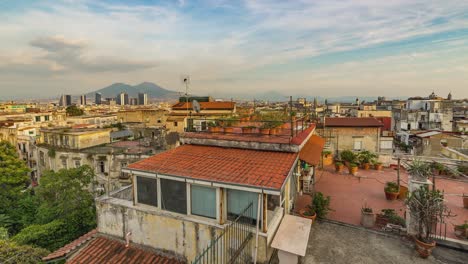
[[205, 105], [267, 169], [63, 251], [352, 122], [105, 250]]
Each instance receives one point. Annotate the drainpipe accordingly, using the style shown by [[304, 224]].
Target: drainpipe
[[260, 198]]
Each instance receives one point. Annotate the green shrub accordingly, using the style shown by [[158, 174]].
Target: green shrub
[[23, 254], [393, 217], [348, 155], [366, 156], [320, 204], [391, 187]]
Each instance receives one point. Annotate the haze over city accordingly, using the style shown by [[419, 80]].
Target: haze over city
[[235, 48]]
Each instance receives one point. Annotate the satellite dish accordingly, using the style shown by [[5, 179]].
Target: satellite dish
[[196, 106]]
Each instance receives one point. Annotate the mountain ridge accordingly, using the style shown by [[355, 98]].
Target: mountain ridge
[[153, 90]]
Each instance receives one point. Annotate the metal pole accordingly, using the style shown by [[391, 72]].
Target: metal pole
[[290, 115], [398, 174]]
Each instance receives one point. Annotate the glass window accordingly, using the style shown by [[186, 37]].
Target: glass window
[[38, 119], [102, 167], [147, 192], [77, 163], [174, 196], [203, 201], [64, 163], [239, 200]]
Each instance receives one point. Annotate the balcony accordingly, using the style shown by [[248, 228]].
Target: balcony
[[250, 134]]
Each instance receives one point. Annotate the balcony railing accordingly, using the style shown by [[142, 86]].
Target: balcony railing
[[248, 127]]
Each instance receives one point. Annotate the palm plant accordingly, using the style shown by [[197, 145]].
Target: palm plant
[[420, 170]]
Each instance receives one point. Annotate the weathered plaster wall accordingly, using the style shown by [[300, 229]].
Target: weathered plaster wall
[[162, 231]]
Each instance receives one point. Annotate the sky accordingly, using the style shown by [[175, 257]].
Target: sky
[[326, 48]]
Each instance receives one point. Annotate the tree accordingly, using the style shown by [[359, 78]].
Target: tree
[[14, 180], [11, 252], [66, 209], [73, 110]]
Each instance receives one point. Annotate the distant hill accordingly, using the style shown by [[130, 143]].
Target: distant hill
[[153, 91]]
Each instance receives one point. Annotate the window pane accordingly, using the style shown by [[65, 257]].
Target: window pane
[[147, 191], [174, 196], [203, 201], [239, 200]]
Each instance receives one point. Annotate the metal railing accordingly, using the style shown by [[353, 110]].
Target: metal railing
[[233, 245], [284, 128]]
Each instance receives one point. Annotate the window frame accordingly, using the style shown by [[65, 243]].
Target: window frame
[[190, 201], [157, 191]]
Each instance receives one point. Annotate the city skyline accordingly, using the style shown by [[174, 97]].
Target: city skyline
[[317, 48]]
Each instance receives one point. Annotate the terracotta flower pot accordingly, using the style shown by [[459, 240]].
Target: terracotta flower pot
[[275, 131], [211, 129], [403, 192], [465, 202], [424, 249], [339, 168], [265, 131], [353, 170], [247, 130], [367, 219], [391, 196], [327, 160], [378, 167], [311, 217], [228, 130], [366, 166]]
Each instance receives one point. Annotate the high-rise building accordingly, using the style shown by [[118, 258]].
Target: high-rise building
[[142, 99], [98, 98], [65, 100], [83, 100], [122, 99], [133, 101]]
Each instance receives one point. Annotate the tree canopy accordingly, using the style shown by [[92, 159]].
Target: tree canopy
[[14, 180], [11, 252], [73, 110], [66, 209]]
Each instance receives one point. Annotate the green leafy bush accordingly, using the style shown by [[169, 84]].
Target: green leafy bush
[[393, 217], [391, 187], [320, 205], [349, 156], [366, 156]]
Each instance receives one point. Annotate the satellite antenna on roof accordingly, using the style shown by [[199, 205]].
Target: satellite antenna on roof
[[196, 106]]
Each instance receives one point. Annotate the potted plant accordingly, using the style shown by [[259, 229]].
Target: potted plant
[[309, 213], [212, 127], [353, 168], [265, 128], [426, 208], [339, 166], [390, 216], [391, 191], [348, 157], [228, 125], [378, 165], [327, 157], [438, 167], [321, 204], [367, 216], [461, 231], [419, 170], [366, 157], [248, 129]]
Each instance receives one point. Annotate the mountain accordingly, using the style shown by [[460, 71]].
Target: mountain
[[153, 91]]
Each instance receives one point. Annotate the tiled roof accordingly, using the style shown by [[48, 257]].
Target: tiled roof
[[267, 169], [75, 244], [312, 150], [205, 105], [352, 122], [104, 250]]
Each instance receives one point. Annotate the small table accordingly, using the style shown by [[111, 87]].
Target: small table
[[292, 238]]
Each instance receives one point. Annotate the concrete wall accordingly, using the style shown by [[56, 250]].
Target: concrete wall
[[343, 138], [176, 234]]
